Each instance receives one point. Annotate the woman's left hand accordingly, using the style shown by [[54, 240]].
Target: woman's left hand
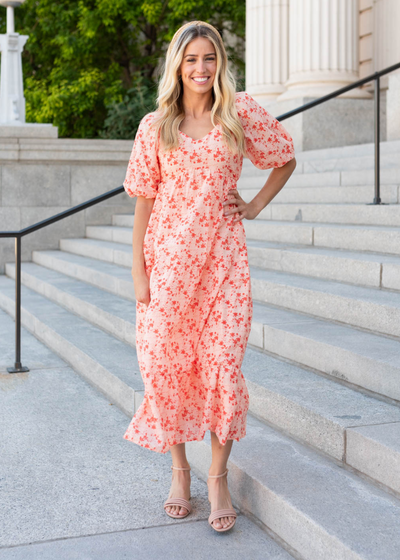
[[244, 209]]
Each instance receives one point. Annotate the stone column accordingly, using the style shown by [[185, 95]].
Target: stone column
[[12, 100], [323, 53], [267, 48]]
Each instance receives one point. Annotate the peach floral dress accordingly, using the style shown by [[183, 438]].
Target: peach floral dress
[[192, 337]]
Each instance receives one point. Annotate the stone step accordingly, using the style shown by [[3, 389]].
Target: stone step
[[354, 214], [366, 269], [123, 220], [108, 251], [255, 178], [111, 233], [67, 150], [320, 412], [320, 509], [112, 313], [349, 355], [346, 158], [378, 239], [326, 195], [99, 357], [388, 161], [311, 408], [372, 309], [355, 151], [103, 275]]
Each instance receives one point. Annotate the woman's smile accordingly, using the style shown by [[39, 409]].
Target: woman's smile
[[201, 80]]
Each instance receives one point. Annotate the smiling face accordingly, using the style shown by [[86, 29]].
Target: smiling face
[[199, 65]]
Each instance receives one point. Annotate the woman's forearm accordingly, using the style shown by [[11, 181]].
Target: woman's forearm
[[143, 209], [273, 185]]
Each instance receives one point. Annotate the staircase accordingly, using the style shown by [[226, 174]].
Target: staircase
[[319, 467]]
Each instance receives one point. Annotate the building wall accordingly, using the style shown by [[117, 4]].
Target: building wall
[[40, 178]]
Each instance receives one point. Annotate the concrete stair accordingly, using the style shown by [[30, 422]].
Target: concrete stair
[[320, 464], [379, 239]]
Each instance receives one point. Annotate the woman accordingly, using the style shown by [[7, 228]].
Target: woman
[[190, 266]]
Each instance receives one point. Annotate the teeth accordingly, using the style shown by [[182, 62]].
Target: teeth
[[200, 79]]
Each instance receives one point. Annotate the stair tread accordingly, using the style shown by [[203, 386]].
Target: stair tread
[[373, 346], [110, 228], [370, 295], [352, 151], [117, 357], [112, 245], [329, 225], [324, 397], [107, 301], [101, 266], [321, 251]]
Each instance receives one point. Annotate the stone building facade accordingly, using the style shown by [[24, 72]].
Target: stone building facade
[[298, 50]]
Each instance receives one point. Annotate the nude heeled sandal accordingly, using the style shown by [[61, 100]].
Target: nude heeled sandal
[[222, 512], [178, 501]]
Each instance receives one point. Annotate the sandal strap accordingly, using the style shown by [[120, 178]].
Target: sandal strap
[[181, 468], [178, 502], [221, 513], [218, 475]]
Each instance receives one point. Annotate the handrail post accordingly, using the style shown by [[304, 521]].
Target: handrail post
[[377, 137], [18, 367]]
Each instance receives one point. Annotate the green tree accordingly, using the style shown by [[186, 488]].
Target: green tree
[[90, 67]]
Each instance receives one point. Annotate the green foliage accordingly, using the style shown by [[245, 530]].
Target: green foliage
[[89, 63], [124, 117]]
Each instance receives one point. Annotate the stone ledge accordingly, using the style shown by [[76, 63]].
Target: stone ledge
[[28, 130]]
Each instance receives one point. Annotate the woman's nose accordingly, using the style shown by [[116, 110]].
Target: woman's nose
[[201, 67]]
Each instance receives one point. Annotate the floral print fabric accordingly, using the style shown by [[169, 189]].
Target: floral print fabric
[[192, 337]]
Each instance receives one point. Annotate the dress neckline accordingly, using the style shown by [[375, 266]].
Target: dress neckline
[[199, 139]]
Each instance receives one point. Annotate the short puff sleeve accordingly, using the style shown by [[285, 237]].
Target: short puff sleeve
[[143, 173], [268, 143]]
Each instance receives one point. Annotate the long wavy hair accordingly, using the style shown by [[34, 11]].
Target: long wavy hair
[[170, 91]]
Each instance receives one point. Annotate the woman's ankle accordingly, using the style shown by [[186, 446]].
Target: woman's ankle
[[216, 471]]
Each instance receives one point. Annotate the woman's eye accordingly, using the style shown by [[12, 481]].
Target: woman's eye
[[193, 60]]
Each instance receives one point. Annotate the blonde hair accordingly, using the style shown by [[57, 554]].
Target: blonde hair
[[170, 90]]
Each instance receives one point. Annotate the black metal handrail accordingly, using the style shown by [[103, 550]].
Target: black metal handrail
[[372, 77], [18, 367]]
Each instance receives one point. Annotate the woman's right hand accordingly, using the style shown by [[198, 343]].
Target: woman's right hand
[[141, 283]]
